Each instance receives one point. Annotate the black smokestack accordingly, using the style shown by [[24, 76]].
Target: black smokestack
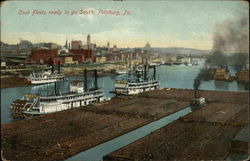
[[145, 72], [85, 80], [95, 73], [154, 72], [137, 74], [59, 67], [204, 75], [197, 83], [53, 69], [55, 87]]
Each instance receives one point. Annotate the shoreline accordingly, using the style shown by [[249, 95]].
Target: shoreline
[[11, 81]]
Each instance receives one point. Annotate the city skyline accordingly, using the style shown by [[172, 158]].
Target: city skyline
[[162, 24]]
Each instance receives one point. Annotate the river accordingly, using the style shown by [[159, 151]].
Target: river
[[175, 76]]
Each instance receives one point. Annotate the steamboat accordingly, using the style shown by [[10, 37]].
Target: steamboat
[[79, 95], [45, 77], [138, 85]]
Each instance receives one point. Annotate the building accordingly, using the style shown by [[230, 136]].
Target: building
[[43, 56], [70, 60], [115, 48], [147, 46], [100, 59], [76, 44], [80, 58], [88, 42], [82, 55]]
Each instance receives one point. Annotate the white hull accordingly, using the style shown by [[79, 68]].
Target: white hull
[[51, 104], [43, 78], [44, 81], [135, 88]]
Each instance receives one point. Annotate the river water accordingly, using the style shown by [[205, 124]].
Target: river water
[[175, 76]]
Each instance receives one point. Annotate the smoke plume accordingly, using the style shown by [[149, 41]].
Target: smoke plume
[[232, 35], [230, 47]]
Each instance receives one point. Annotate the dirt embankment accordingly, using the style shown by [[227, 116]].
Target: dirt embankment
[[13, 81]]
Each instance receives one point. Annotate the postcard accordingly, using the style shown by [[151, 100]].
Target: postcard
[[124, 80]]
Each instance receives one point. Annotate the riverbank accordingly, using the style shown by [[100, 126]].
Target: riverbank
[[13, 81], [60, 135], [205, 134]]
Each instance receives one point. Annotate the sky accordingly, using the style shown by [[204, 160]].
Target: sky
[[161, 23]]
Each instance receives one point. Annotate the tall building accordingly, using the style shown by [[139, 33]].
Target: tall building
[[76, 44], [88, 42], [108, 46], [66, 44]]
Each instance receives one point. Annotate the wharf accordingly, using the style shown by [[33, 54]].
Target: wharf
[[60, 135]]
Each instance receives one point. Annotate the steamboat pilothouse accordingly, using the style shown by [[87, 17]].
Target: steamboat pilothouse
[[135, 86], [78, 96]]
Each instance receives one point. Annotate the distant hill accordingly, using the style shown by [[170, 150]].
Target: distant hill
[[180, 50], [24, 46]]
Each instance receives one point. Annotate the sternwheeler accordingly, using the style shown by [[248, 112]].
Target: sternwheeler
[[138, 85], [78, 95], [45, 77]]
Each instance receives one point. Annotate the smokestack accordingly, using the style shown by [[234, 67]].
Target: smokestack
[[85, 80], [154, 73], [137, 75], [53, 69], [59, 67], [55, 88], [95, 72], [145, 72]]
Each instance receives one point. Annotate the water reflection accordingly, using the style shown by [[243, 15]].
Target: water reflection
[[221, 85]]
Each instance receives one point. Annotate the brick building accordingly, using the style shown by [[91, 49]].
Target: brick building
[[43, 56], [76, 44], [82, 55]]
